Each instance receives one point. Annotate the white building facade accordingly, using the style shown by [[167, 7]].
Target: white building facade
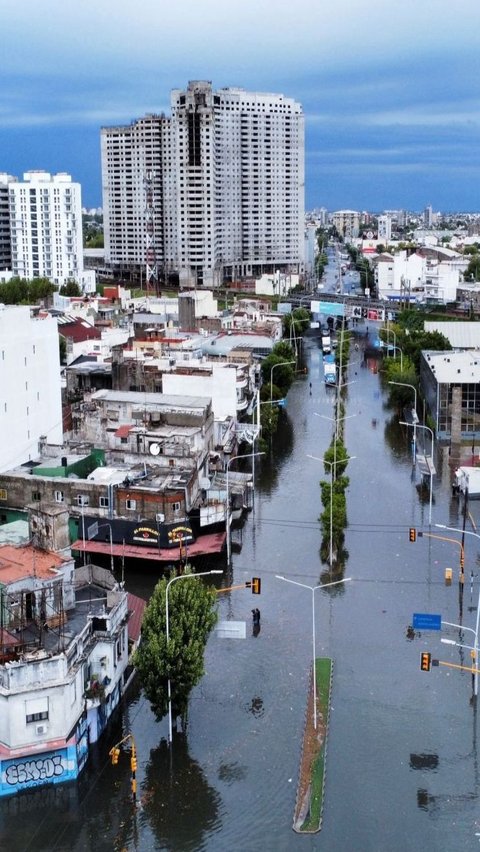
[[30, 391], [46, 227], [226, 186]]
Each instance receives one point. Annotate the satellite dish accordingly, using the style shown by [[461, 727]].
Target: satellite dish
[[154, 449], [204, 483]]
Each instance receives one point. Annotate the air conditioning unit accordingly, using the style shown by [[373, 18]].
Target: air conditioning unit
[[40, 729], [159, 517]]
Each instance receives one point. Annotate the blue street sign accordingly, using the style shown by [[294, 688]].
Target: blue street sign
[[427, 621], [281, 403]]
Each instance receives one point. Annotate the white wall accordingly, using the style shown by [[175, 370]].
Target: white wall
[[30, 393], [219, 385]]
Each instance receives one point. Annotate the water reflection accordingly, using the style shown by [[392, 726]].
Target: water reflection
[[177, 801], [278, 454]]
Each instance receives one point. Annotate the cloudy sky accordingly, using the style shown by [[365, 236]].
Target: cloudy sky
[[390, 91]]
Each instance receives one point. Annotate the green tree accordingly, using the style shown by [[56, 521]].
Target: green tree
[[299, 318], [277, 376], [192, 617], [71, 288], [473, 269]]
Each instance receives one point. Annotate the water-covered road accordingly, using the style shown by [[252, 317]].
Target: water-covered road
[[402, 764]]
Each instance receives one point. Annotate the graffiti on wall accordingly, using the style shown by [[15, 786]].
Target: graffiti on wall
[[30, 772]]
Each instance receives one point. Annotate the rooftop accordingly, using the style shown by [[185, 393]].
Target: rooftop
[[16, 563], [454, 367]]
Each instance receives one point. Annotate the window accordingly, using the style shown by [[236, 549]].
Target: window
[[104, 502], [176, 507], [37, 717], [131, 504], [36, 710], [59, 497], [82, 500], [36, 496]]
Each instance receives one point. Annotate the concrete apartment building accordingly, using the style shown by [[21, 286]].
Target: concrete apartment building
[[30, 392], [347, 223], [46, 227], [215, 191]]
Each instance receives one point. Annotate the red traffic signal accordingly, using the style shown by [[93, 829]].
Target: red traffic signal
[[413, 534]]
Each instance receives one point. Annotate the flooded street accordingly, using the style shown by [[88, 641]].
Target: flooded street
[[402, 763]]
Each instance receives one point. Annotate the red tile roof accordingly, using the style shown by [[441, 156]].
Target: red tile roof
[[16, 563], [136, 608]]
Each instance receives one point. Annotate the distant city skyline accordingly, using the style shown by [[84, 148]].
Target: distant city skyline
[[390, 100]]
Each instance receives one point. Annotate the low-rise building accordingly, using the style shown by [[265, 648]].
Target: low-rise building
[[64, 651]]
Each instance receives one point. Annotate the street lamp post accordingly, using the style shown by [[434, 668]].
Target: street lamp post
[[395, 347], [167, 633], [331, 465], [313, 590], [427, 428], [335, 420], [111, 544], [406, 385], [282, 364], [227, 513]]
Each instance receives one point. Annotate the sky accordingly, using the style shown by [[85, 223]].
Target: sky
[[390, 91]]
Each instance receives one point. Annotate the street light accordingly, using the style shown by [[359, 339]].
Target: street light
[[111, 544], [430, 468], [331, 465], [335, 420], [280, 364], [406, 385], [313, 590], [395, 347], [227, 513], [167, 633]]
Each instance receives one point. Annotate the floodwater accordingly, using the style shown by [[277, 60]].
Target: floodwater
[[402, 765]]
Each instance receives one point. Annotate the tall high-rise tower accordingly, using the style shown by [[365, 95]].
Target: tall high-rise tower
[[229, 185]]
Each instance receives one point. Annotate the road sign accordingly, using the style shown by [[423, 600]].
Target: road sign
[[92, 530], [426, 621]]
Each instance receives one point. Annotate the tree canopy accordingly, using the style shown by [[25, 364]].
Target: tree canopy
[[21, 291], [192, 617]]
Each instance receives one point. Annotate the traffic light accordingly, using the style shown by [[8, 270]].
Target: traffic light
[[114, 754], [256, 585], [413, 534], [425, 661], [133, 763], [462, 559]]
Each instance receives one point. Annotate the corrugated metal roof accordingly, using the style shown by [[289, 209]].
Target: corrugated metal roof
[[461, 335]]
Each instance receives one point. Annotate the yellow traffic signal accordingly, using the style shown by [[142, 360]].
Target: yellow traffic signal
[[114, 754], [448, 576], [462, 559], [413, 534], [133, 763], [425, 661], [256, 585]]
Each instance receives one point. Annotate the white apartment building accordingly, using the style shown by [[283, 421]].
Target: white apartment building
[[30, 392], [46, 227], [225, 196], [385, 228], [5, 243], [417, 277], [347, 223]]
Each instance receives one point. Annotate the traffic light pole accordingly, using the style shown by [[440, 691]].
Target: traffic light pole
[[115, 753]]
